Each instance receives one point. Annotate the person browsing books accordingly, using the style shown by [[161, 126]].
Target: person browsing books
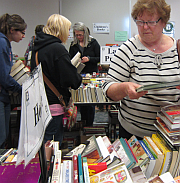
[[57, 67], [28, 53], [147, 58], [12, 28], [90, 56]]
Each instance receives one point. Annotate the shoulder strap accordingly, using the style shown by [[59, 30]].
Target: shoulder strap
[[178, 48], [50, 85]]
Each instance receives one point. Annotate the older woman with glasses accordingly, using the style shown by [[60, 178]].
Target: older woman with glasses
[[90, 56], [147, 58]]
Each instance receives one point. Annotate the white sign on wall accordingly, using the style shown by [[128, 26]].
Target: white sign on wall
[[101, 27], [107, 52]]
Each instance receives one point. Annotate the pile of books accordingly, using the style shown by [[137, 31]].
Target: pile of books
[[127, 160], [88, 94], [168, 123]]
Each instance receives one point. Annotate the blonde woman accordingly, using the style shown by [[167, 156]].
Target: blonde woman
[[57, 67]]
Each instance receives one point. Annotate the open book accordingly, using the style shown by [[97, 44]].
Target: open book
[[159, 86], [76, 61]]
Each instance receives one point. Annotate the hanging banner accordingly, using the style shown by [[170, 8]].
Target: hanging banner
[[35, 116]]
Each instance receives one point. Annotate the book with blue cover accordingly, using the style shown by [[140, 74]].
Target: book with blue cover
[[128, 152], [152, 162], [80, 169]]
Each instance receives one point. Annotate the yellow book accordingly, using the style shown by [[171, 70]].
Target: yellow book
[[167, 154]]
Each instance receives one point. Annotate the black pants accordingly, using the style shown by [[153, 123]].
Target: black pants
[[87, 114]]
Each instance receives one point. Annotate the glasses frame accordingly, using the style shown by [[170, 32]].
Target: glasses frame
[[23, 33], [148, 22]]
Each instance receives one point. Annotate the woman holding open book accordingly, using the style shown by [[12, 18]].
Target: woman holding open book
[[147, 58], [90, 56], [12, 28], [57, 67]]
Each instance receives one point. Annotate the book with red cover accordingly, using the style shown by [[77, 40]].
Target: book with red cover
[[18, 174], [95, 168], [75, 168]]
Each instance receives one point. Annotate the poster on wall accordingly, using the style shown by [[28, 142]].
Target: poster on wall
[[107, 52], [169, 29], [101, 27]]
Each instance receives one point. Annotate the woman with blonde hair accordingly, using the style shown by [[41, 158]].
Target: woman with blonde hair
[[57, 67]]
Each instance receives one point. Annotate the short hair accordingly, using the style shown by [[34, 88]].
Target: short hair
[[152, 6], [39, 28], [58, 26], [79, 26], [8, 22]]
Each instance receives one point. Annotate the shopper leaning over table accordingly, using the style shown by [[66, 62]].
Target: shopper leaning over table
[[12, 28], [147, 58]]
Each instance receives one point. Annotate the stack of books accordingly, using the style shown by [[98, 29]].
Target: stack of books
[[168, 123]]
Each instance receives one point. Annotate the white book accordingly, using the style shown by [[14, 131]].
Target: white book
[[67, 171], [21, 73], [102, 147], [18, 69], [57, 167]]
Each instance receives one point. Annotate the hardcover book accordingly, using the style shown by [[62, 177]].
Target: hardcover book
[[152, 162], [166, 151], [156, 153], [139, 152], [92, 151], [80, 169], [75, 168]]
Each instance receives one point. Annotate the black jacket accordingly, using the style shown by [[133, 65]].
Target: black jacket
[[56, 65], [92, 50]]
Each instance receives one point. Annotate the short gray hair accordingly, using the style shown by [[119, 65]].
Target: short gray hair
[[79, 26]]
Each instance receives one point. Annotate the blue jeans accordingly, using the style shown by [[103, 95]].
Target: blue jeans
[[5, 111], [55, 130]]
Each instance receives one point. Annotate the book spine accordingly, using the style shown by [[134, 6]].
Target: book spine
[[56, 167], [131, 150], [51, 169], [67, 174], [165, 150], [80, 170], [75, 168], [85, 170]]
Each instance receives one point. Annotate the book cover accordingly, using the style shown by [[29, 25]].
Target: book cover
[[56, 167], [173, 149], [173, 139], [166, 151], [128, 152], [19, 174], [139, 152], [85, 170], [159, 86], [117, 173], [170, 125], [121, 153], [104, 151], [156, 153], [75, 168], [155, 179], [92, 151], [95, 168], [67, 171], [167, 178], [172, 112], [17, 69], [80, 169], [137, 175], [152, 160]]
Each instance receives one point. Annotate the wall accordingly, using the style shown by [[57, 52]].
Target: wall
[[115, 12], [34, 12]]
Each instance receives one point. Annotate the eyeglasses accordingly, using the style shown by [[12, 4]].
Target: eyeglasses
[[23, 33], [79, 35], [149, 23]]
